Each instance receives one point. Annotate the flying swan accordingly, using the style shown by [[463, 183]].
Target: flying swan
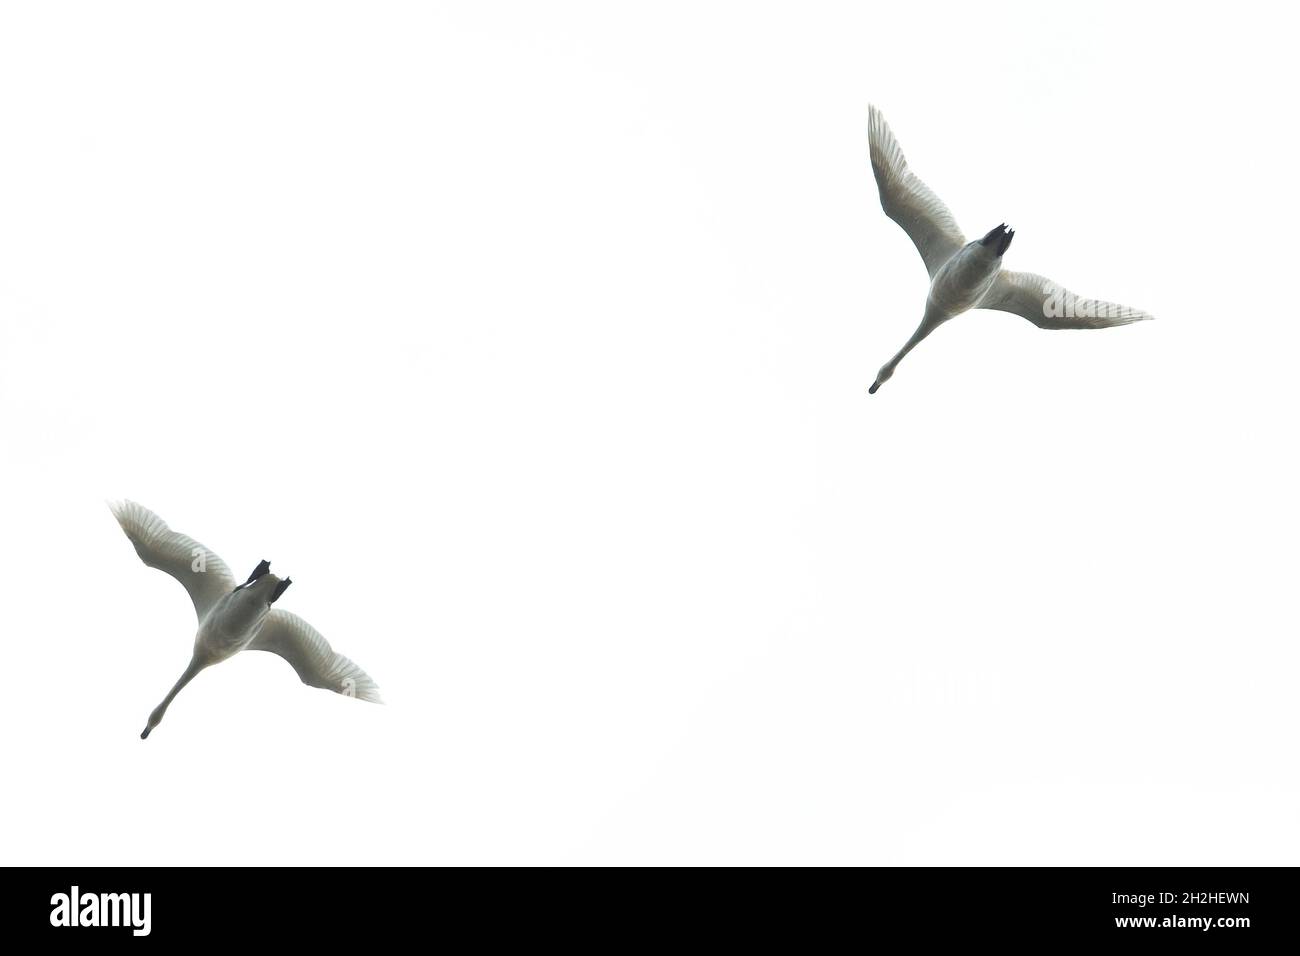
[[964, 275], [235, 618]]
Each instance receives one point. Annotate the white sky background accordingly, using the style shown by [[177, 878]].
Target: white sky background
[[534, 346]]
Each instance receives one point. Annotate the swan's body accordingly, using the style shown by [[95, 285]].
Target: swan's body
[[235, 618], [964, 275]]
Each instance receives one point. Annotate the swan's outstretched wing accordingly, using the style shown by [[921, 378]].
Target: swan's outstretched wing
[[1049, 306], [312, 657], [204, 575], [910, 202]]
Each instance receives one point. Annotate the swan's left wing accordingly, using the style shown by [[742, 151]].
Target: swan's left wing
[[312, 657], [203, 574], [908, 201], [1049, 306]]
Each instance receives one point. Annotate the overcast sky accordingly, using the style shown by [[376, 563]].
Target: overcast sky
[[534, 345]]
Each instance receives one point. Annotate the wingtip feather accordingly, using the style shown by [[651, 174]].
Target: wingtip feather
[[368, 691]]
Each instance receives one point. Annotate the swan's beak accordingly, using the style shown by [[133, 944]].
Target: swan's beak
[[872, 389], [145, 733]]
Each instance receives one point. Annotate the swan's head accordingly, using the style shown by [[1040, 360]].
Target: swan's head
[[154, 720], [998, 239], [884, 375], [263, 587]]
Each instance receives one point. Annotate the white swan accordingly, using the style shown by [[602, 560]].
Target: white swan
[[965, 275], [234, 618]]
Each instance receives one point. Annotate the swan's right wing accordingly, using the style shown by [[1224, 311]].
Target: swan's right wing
[[910, 202], [1050, 306], [204, 575], [311, 656]]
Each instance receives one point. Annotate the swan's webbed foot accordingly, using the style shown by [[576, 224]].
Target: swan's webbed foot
[[263, 567]]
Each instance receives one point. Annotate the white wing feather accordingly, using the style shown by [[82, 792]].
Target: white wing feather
[[203, 574], [910, 202], [312, 657], [1050, 306]]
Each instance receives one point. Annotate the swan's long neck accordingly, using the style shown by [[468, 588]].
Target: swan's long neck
[[156, 717], [933, 318], [924, 329]]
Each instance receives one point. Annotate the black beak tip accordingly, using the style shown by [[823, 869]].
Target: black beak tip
[[872, 389], [145, 733]]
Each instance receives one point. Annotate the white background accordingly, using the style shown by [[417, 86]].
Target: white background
[[534, 345]]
